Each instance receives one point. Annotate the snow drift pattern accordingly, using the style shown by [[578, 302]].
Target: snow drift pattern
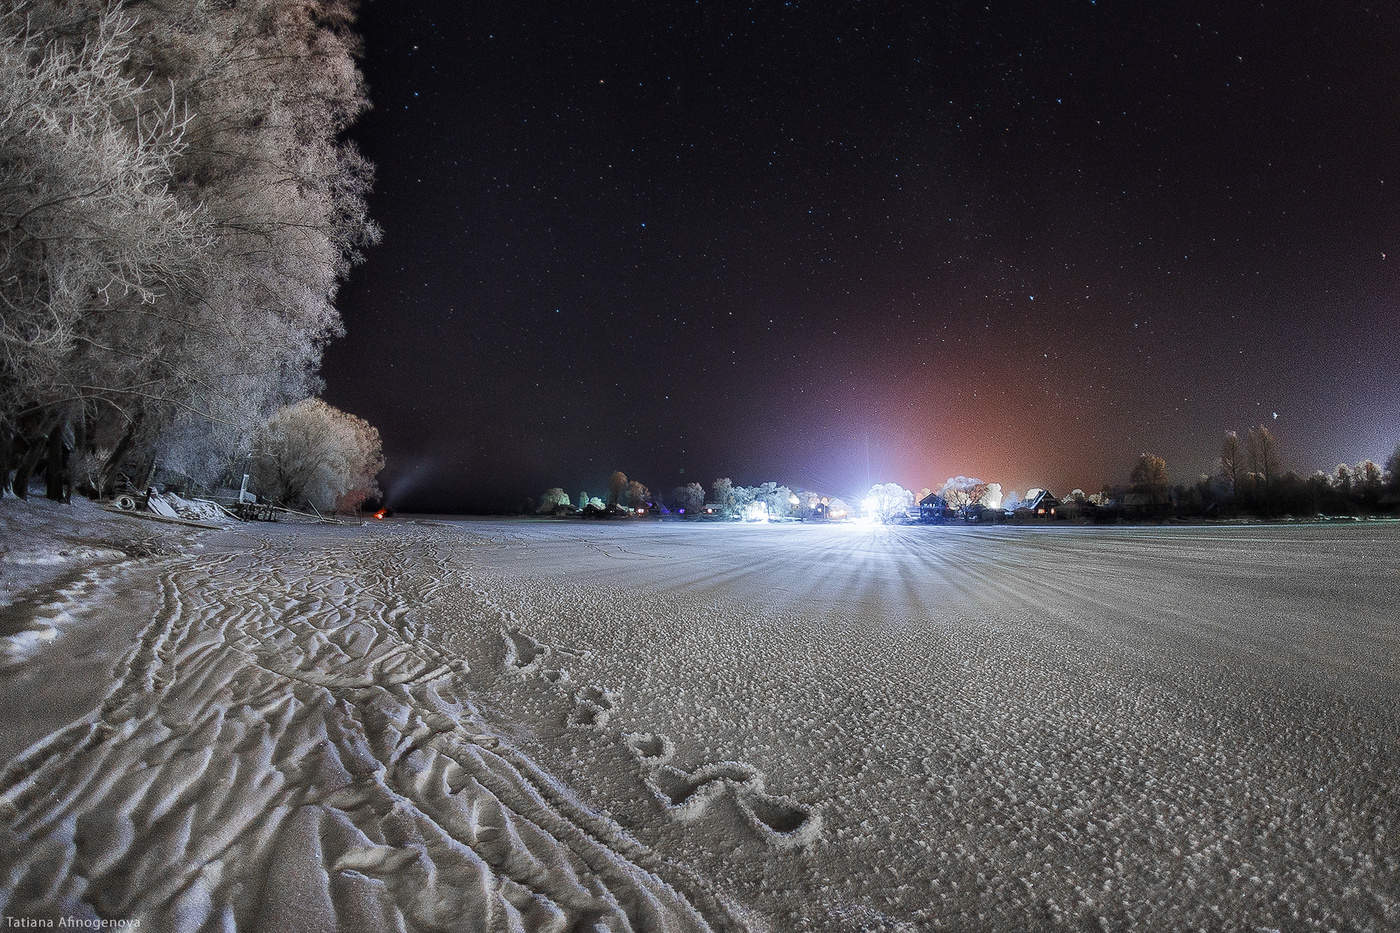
[[280, 751]]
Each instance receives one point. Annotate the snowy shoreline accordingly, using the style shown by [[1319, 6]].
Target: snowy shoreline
[[420, 722], [278, 750]]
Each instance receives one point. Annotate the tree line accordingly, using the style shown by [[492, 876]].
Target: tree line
[[177, 210], [725, 497], [1250, 479]]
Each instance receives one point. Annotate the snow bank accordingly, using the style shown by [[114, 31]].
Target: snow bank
[[52, 559]]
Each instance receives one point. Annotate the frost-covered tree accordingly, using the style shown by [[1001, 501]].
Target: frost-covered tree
[[887, 500], [233, 156], [963, 492], [92, 239], [690, 498], [695, 497], [740, 497], [776, 499], [553, 498], [722, 494], [1011, 501], [312, 453], [1392, 473], [638, 496], [272, 85], [808, 502]]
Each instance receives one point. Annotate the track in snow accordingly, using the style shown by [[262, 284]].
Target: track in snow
[[644, 725], [1044, 728], [281, 749]]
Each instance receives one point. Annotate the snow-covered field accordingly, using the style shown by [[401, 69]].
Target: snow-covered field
[[547, 725]]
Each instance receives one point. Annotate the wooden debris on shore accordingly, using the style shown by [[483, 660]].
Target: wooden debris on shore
[[201, 513]]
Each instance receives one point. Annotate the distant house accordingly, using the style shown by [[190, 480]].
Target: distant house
[[1135, 500], [1039, 503], [933, 508], [1073, 509], [977, 513]]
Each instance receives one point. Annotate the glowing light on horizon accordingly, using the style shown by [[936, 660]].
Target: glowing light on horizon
[[756, 512]]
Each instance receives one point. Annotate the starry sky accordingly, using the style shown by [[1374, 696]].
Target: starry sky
[[840, 242]]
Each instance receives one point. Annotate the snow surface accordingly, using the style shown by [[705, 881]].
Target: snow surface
[[552, 725]]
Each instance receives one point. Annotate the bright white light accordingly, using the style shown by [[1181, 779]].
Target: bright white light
[[993, 498], [870, 505], [756, 512]]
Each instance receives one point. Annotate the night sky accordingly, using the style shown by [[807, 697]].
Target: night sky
[[834, 243]]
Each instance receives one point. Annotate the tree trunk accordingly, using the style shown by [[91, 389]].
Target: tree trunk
[[53, 463], [7, 447], [80, 443], [58, 464], [104, 476], [27, 464]]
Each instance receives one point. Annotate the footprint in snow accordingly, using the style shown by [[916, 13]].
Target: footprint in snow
[[685, 796], [593, 706], [523, 653], [780, 821], [651, 749]]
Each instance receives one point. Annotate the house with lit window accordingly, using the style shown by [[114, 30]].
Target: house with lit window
[[1038, 503]]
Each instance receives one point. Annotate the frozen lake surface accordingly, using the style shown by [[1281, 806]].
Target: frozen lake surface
[[1009, 726], [667, 725]]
